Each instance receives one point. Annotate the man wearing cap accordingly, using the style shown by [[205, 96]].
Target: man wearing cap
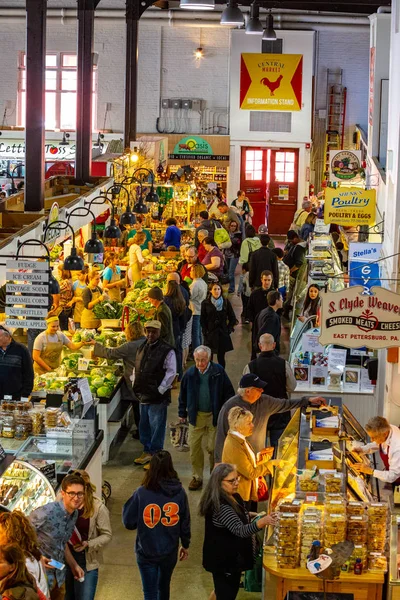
[[163, 315], [250, 396], [48, 347], [262, 260], [16, 369], [155, 371], [264, 229]]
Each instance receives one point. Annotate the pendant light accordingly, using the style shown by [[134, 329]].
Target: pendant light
[[232, 15], [254, 25], [197, 4], [152, 196], [73, 262], [127, 217], [54, 286], [269, 32], [93, 244], [112, 231], [140, 208]]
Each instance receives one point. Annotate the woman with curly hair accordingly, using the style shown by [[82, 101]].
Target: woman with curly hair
[[15, 580], [16, 527]]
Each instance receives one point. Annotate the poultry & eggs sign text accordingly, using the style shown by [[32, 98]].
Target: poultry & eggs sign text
[[350, 206], [352, 318], [271, 81]]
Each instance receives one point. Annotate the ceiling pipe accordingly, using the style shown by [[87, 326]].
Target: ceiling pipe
[[188, 18], [384, 9]]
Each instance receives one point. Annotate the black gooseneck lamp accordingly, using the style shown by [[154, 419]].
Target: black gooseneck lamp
[[127, 217], [73, 262], [112, 231], [54, 286], [93, 244]]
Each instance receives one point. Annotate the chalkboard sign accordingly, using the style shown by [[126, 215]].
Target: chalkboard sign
[[318, 596]]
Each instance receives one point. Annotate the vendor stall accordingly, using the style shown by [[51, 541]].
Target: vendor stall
[[320, 496]]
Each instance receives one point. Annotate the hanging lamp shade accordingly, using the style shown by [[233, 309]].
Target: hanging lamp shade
[[140, 208], [197, 4], [232, 15], [94, 245], [152, 196], [54, 286], [112, 231], [73, 262], [128, 217], [254, 25], [269, 32]]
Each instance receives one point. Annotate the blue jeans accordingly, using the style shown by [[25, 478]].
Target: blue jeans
[[81, 591], [152, 426], [196, 332], [156, 575], [232, 264], [179, 356]]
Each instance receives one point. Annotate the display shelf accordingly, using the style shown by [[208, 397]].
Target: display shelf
[[23, 487]]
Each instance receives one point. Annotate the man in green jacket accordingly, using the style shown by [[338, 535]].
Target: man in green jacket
[[163, 314]]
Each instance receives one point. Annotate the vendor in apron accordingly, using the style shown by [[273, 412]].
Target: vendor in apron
[[385, 438], [112, 281], [77, 302], [48, 347], [91, 296], [136, 259]]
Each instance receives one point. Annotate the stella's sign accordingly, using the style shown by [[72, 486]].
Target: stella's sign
[[352, 318]]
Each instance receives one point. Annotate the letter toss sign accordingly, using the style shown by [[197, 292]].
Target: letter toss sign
[[350, 206], [353, 319]]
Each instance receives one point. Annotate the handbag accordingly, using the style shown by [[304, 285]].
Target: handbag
[[262, 490], [253, 578]]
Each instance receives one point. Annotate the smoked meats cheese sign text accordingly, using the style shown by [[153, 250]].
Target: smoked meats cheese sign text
[[353, 319], [271, 81], [350, 206]]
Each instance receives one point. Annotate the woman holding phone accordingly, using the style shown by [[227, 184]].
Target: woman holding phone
[[92, 532]]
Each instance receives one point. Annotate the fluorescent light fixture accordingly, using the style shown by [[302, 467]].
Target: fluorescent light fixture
[[197, 4]]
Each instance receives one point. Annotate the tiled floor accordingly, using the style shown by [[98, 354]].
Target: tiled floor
[[119, 576]]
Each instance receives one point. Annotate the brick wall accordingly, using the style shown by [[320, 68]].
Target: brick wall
[[167, 68]]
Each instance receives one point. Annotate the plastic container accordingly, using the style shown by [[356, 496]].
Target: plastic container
[[356, 508], [377, 562], [333, 483]]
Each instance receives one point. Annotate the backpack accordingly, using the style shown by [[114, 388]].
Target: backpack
[[222, 239], [294, 226]]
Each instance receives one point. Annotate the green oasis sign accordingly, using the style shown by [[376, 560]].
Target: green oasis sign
[[193, 145]]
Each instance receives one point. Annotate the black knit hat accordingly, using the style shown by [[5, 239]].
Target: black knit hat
[[156, 294]]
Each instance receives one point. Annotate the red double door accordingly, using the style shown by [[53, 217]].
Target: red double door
[[269, 176]]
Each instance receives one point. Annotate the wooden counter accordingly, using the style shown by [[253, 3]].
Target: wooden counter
[[279, 582]]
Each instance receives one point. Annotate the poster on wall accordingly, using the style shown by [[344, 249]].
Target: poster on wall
[[283, 192], [271, 81], [345, 166], [352, 318], [350, 206]]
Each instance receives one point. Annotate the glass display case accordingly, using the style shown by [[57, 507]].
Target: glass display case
[[24, 487], [305, 448], [394, 558]]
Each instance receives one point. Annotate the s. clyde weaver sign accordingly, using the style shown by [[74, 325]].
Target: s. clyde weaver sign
[[352, 318]]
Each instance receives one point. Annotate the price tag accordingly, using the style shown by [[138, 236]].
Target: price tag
[[312, 497], [83, 364]]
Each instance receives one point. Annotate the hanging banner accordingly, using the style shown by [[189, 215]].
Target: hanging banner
[[34, 277], [352, 319], [362, 268], [345, 165], [350, 206], [271, 81]]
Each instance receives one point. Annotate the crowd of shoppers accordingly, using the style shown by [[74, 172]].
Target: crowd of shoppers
[[232, 437]]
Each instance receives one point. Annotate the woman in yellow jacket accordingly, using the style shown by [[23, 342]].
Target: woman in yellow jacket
[[238, 451]]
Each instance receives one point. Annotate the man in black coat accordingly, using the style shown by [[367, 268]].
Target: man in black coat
[[268, 321], [16, 367], [205, 223], [261, 260], [278, 375]]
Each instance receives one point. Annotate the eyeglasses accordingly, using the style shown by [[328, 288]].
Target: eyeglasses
[[5, 330], [75, 494], [232, 481]]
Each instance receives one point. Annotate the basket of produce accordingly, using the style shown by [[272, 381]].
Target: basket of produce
[[109, 312]]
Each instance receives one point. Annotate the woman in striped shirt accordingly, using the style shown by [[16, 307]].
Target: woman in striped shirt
[[229, 542]]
